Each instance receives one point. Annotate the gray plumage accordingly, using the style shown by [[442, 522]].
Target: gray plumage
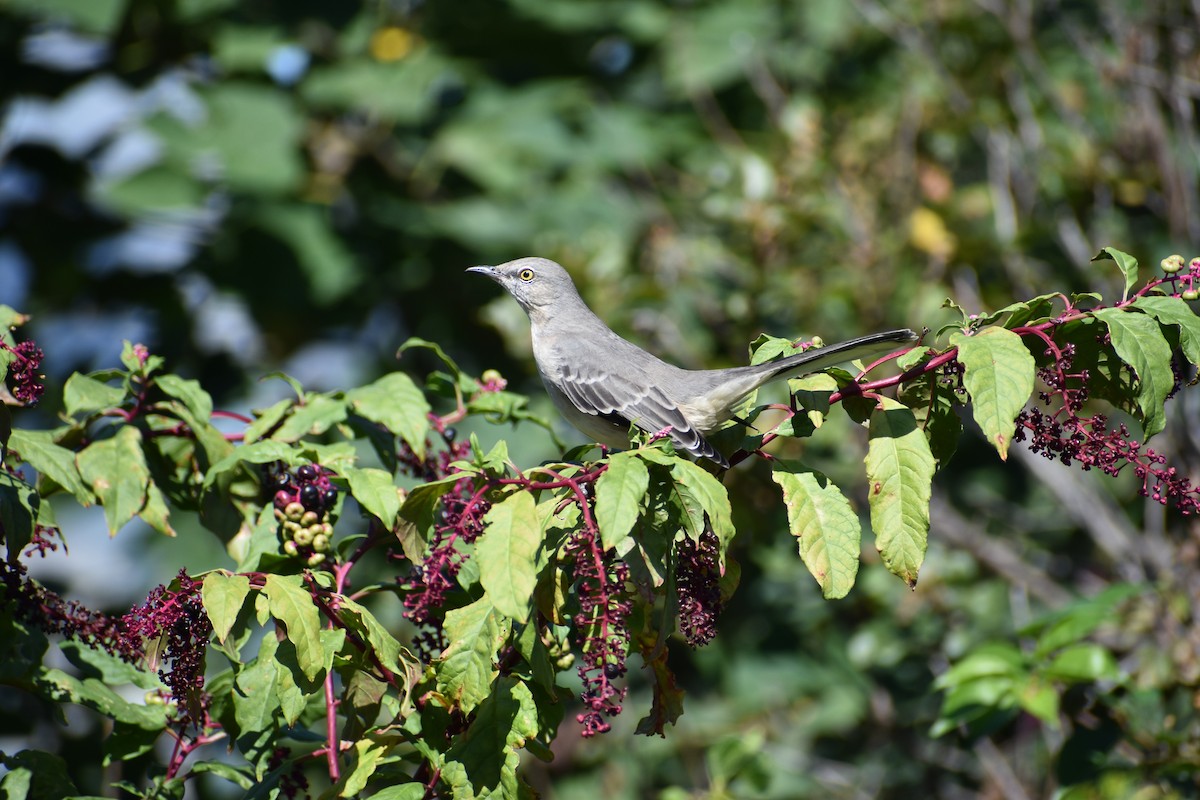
[[602, 383]]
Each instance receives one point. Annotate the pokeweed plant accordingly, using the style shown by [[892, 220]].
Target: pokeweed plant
[[510, 577]]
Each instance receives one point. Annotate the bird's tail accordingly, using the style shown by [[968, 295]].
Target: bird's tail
[[819, 358]]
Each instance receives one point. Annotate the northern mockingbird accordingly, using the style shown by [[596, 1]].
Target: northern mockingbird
[[601, 383]]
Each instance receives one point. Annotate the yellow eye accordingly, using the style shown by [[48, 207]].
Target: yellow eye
[[526, 275]]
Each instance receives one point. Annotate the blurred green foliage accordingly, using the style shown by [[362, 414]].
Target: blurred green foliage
[[310, 179]]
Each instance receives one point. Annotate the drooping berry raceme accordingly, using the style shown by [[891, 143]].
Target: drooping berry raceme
[[23, 375], [697, 583], [459, 521], [603, 624], [173, 618], [177, 619], [1064, 433]]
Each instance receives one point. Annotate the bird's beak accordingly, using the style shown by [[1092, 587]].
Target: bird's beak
[[488, 271]]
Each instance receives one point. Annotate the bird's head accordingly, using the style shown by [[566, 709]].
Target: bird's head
[[536, 283]]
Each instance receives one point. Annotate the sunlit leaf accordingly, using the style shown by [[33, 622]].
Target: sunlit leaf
[[900, 471], [826, 528]]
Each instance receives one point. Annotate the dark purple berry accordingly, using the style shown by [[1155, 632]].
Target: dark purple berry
[[310, 497], [449, 434], [307, 473], [329, 498], [612, 671]]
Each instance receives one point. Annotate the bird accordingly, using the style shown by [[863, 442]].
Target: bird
[[602, 383]]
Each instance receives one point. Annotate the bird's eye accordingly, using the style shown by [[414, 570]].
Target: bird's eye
[[526, 275]]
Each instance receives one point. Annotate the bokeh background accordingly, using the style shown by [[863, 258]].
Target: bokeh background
[[261, 185]]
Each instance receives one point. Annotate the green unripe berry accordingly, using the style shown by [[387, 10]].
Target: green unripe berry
[[1190, 294], [294, 510], [817, 341], [1172, 264], [316, 559], [327, 529], [303, 537], [320, 543], [290, 548], [308, 518]]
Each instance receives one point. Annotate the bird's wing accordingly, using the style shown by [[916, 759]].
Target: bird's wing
[[617, 398]]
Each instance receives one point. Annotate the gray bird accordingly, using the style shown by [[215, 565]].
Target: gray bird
[[601, 383]]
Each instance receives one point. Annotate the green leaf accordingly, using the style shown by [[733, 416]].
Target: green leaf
[[159, 187], [699, 489], [999, 376], [86, 395], [506, 719], [1125, 262], [189, 392], [396, 403], [1174, 311], [155, 513], [376, 491], [1140, 344], [1041, 699], [37, 448], [1071, 624], [398, 91], [367, 755], [825, 526], [257, 700], [419, 343], [115, 468], [36, 775], [317, 414], [127, 742], [405, 791], [255, 131], [507, 554], [263, 452], [111, 669], [467, 668], [98, 696], [900, 471], [242, 777], [387, 648], [1083, 662], [266, 420], [291, 604], [933, 406], [416, 515], [620, 492], [985, 661], [223, 597], [20, 506]]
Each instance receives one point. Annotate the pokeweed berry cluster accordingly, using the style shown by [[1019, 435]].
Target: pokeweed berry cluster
[[1065, 433], [603, 622], [459, 522], [697, 577], [304, 502], [177, 618], [23, 377], [1187, 284]]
